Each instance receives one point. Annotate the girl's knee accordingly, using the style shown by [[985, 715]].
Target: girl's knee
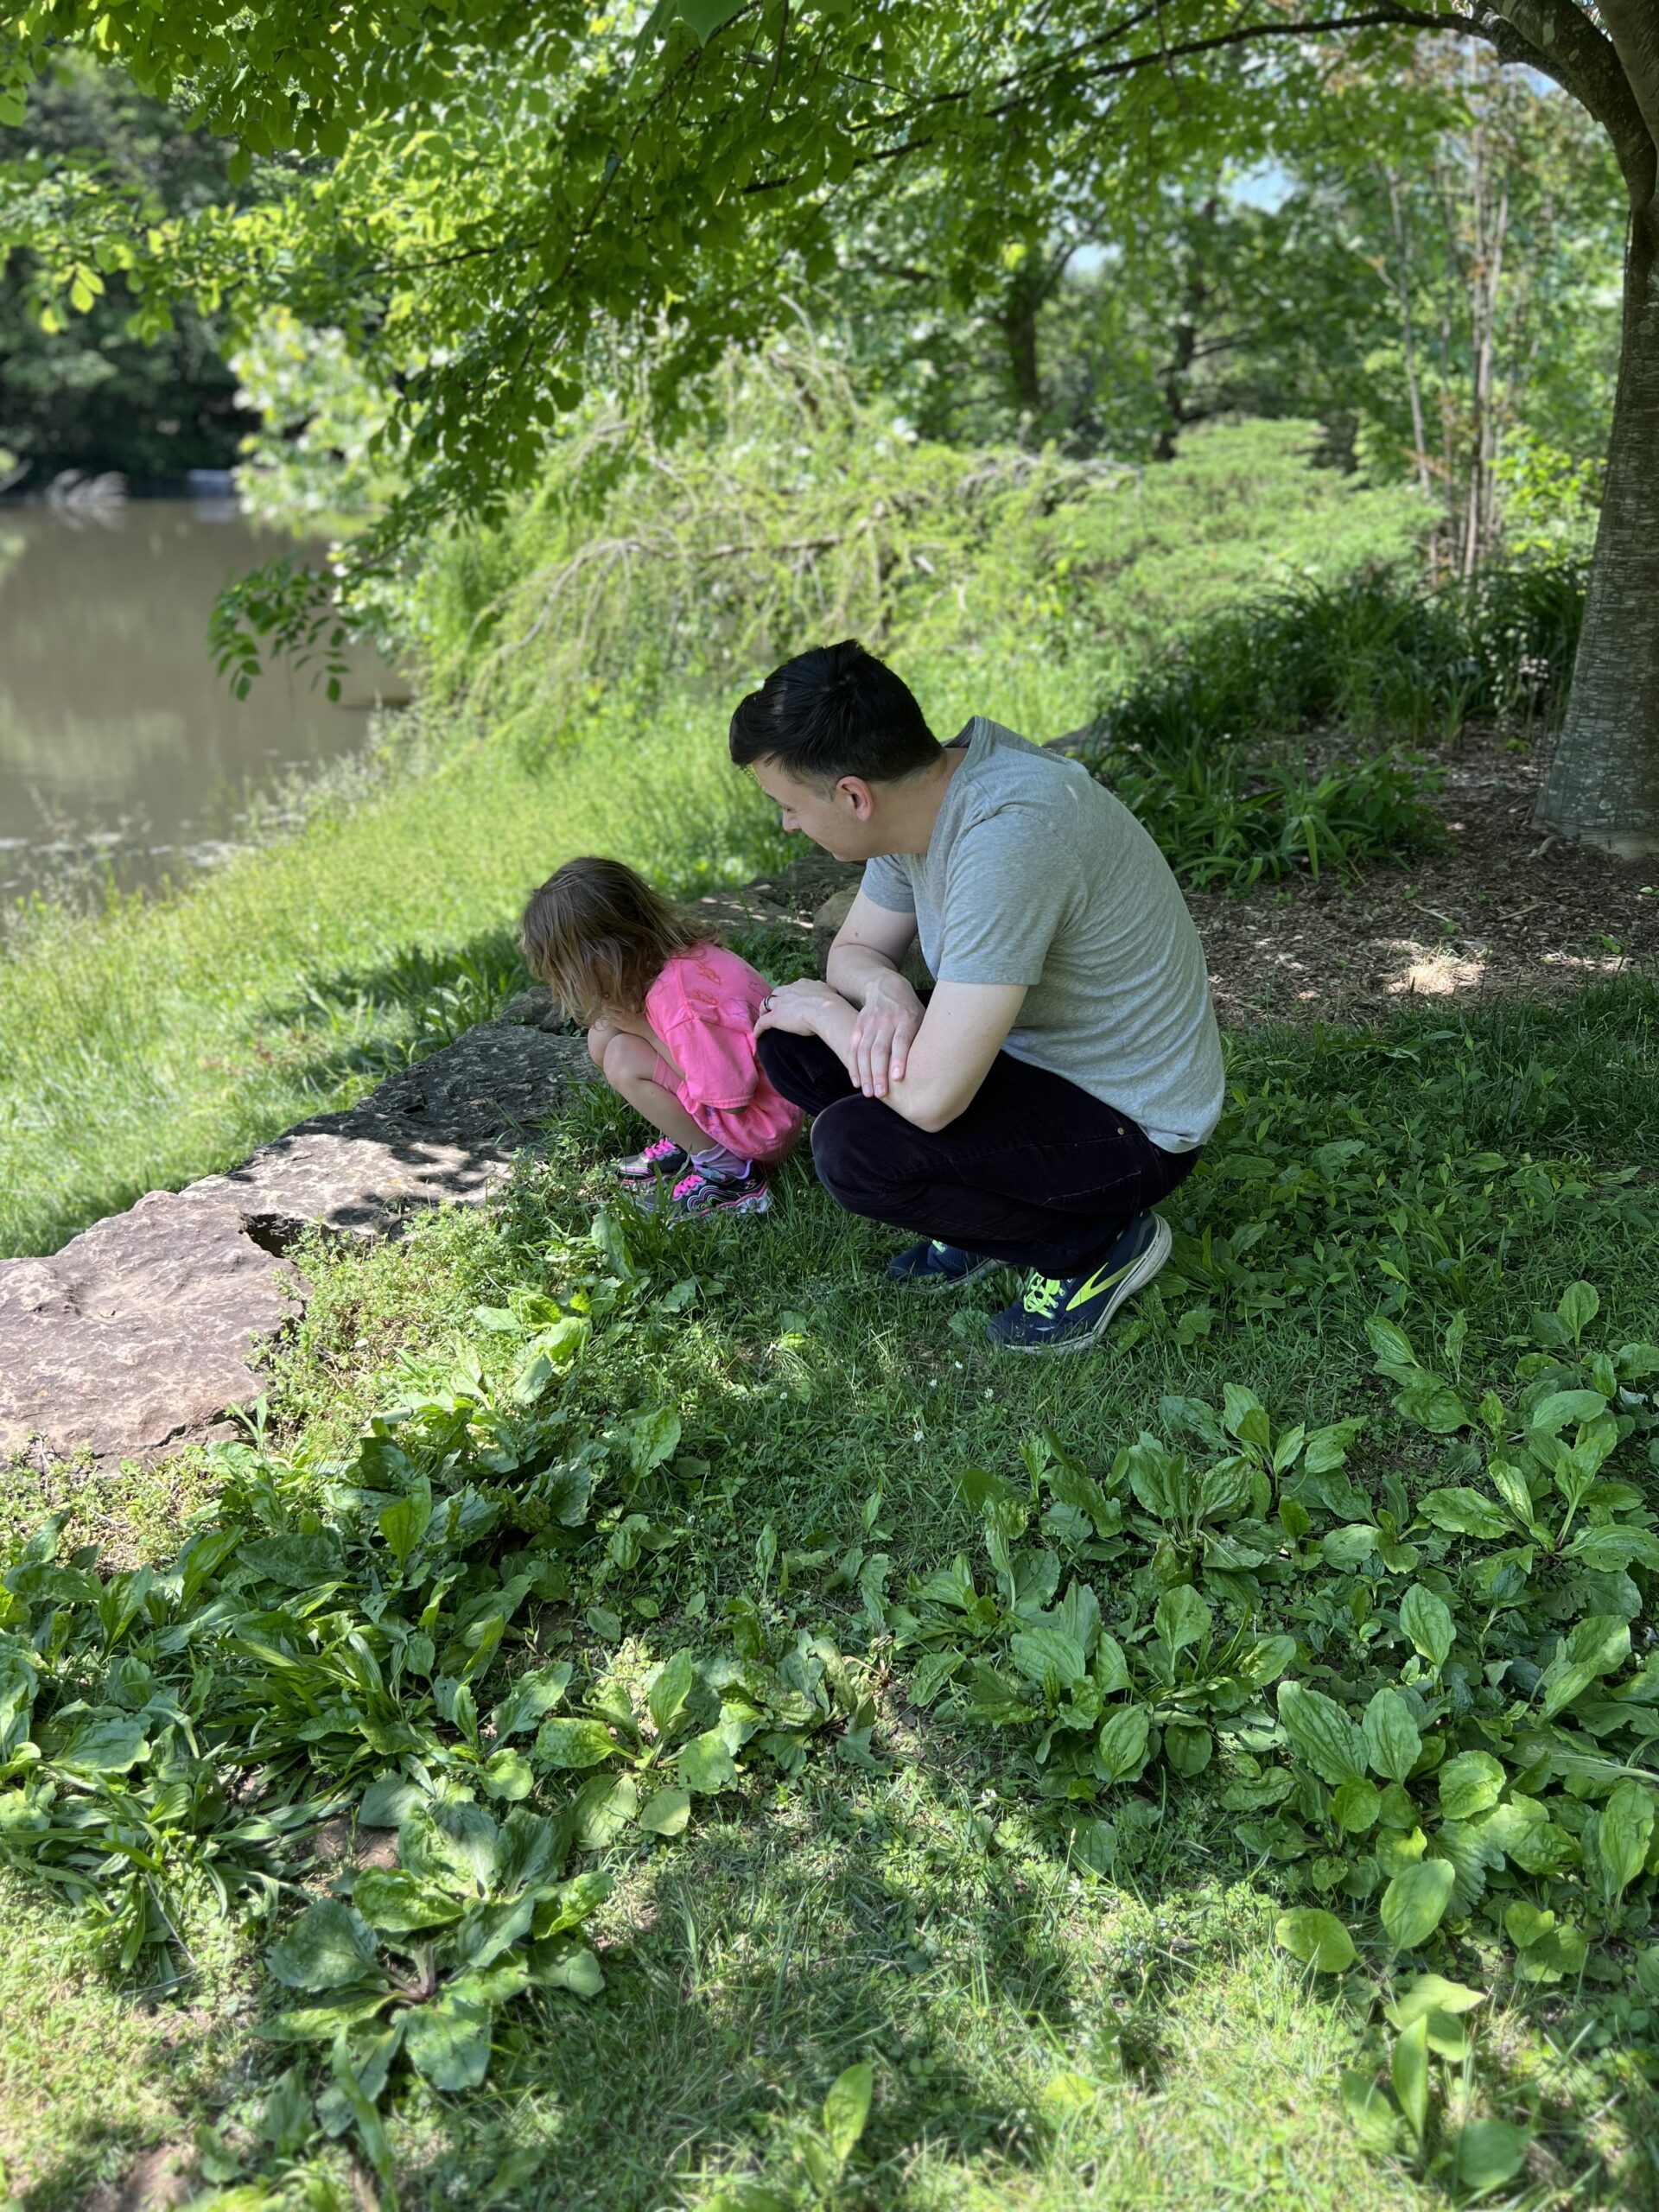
[[600, 1037], [628, 1059]]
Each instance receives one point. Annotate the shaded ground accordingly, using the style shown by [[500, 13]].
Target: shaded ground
[[1501, 909]]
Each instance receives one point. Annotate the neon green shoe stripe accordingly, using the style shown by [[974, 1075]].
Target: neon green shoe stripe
[[1098, 1281]]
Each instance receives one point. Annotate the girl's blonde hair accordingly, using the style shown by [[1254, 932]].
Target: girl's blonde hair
[[597, 936]]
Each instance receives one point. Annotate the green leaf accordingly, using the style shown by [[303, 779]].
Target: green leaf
[[1432, 1993], [1043, 1653], [1486, 2153], [1181, 1618], [1390, 1343], [1433, 1405], [1267, 1659], [846, 2110], [1321, 1734], [530, 1697], [406, 1522], [1372, 2116], [602, 1807], [295, 1562], [1551, 1414], [1409, 2071], [371, 2128], [1625, 1833], [1318, 1938], [1596, 1645], [507, 1774], [653, 1438], [707, 16], [389, 1801], [667, 1813], [1355, 1806], [1578, 1305], [1466, 1513], [574, 1744], [1426, 1620], [448, 2042], [330, 1946], [672, 1685], [1472, 1783], [705, 1765], [1122, 1747], [106, 1747], [577, 1970], [1188, 1746], [396, 1902], [1348, 1549], [1415, 1902], [1393, 1745]]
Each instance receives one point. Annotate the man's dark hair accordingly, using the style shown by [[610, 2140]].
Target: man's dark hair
[[835, 711]]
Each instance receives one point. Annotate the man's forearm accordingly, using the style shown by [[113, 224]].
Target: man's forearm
[[915, 1101], [851, 968]]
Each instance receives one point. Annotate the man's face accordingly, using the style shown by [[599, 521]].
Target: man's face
[[841, 819]]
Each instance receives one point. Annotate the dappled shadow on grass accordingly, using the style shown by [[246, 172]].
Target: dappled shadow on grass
[[1014, 2017]]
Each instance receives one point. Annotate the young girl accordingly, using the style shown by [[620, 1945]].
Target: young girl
[[670, 1022]]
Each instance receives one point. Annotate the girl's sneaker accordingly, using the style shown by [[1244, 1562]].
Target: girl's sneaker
[[664, 1159], [700, 1193]]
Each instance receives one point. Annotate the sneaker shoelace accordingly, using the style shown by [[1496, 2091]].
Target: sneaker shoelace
[[1043, 1295], [660, 1150]]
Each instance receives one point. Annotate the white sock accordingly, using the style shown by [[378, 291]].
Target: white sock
[[717, 1161]]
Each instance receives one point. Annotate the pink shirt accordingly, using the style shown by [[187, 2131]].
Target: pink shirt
[[702, 1005]]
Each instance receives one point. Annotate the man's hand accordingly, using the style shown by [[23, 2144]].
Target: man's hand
[[798, 1008], [883, 1033]]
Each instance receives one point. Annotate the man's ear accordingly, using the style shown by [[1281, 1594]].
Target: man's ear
[[857, 796]]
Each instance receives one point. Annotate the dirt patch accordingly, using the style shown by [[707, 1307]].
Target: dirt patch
[[1501, 909]]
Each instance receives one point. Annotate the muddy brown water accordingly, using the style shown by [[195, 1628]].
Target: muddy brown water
[[121, 746]]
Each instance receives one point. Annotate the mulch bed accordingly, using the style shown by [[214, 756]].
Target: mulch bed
[[1501, 909]]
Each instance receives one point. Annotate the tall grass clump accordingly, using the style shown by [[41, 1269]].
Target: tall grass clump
[[1375, 653]]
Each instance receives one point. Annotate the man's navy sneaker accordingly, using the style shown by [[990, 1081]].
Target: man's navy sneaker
[[933, 1266], [1068, 1312]]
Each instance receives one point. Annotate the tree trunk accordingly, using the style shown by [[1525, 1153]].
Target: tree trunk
[[1019, 337], [1603, 783]]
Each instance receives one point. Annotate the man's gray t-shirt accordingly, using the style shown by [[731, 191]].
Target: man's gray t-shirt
[[1036, 874]]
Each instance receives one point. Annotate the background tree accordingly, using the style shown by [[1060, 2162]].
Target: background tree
[[82, 390], [500, 193]]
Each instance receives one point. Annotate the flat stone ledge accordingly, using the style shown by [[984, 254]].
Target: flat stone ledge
[[146, 1329], [446, 1129], [141, 1332]]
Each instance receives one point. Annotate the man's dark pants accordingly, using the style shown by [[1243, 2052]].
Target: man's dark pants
[[1034, 1171]]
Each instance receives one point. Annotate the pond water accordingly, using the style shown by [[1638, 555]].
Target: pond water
[[119, 740]]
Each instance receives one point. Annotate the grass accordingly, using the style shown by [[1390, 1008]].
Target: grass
[[1039, 2038]]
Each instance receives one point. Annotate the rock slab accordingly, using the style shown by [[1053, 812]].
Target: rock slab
[[446, 1129], [145, 1330], [140, 1333]]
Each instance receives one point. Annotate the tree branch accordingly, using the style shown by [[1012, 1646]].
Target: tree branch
[[1557, 37], [1633, 26]]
